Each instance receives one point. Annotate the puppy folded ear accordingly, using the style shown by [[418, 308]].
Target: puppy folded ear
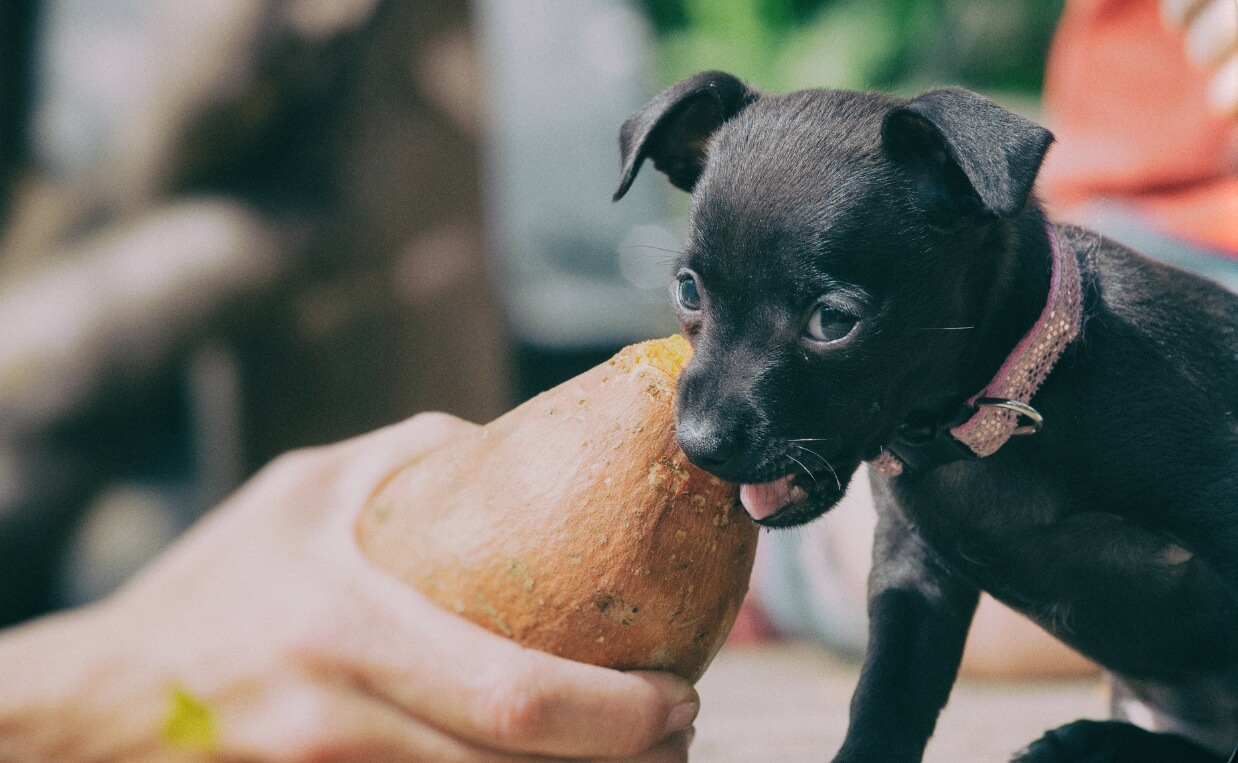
[[674, 127], [967, 155]]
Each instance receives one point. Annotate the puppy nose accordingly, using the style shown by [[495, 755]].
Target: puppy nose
[[706, 445]]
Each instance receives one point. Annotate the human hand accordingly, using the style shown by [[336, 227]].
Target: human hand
[[1211, 29], [278, 641]]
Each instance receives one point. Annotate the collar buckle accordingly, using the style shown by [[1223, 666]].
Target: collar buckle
[[928, 446], [923, 448], [1034, 420]]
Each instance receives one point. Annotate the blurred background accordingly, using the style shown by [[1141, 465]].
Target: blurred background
[[229, 229]]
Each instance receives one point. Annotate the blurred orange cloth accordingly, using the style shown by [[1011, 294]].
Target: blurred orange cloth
[[1133, 123]]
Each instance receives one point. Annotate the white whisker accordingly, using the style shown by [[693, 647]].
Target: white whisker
[[824, 460], [805, 468]]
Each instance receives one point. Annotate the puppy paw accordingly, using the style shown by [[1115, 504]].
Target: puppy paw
[[1111, 742]]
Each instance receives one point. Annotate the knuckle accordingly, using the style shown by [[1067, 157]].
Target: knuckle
[[307, 730], [290, 467], [313, 457], [433, 419], [518, 709], [438, 425], [293, 483], [288, 461], [301, 654], [512, 709], [315, 640]]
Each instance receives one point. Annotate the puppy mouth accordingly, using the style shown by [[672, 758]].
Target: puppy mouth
[[790, 500], [765, 499]]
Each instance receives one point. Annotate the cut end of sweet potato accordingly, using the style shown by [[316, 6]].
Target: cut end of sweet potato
[[668, 355]]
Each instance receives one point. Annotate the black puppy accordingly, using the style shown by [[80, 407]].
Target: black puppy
[[869, 278]]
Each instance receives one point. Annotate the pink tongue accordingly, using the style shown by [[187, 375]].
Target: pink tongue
[[764, 500]]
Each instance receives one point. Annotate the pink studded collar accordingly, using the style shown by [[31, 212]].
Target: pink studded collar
[[1003, 408]]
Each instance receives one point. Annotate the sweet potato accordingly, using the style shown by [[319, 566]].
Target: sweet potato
[[575, 525]]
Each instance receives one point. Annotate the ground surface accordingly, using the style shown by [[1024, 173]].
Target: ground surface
[[787, 703]]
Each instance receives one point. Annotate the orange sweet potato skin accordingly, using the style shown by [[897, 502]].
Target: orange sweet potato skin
[[575, 525]]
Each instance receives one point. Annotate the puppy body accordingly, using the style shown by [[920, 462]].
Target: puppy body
[[859, 266]]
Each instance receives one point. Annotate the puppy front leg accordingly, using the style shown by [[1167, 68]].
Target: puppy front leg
[[919, 613]]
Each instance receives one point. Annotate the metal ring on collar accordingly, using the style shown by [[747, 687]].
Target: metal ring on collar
[[1023, 409]]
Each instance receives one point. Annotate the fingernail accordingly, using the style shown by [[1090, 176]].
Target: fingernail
[[679, 694], [681, 716]]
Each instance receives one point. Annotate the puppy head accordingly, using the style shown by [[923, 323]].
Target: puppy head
[[841, 247]]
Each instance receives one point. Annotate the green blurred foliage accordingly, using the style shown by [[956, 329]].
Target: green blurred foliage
[[895, 45]]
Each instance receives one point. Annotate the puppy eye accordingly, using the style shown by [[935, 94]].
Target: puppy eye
[[828, 324], [686, 293]]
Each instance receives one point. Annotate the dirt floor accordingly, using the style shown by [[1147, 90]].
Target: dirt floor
[[787, 703]]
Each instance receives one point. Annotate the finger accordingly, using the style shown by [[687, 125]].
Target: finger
[[1213, 33], [325, 487], [1223, 89], [478, 685], [1177, 13], [301, 721], [363, 464], [468, 681], [425, 430], [673, 749], [482, 687], [392, 446], [521, 700], [338, 475]]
